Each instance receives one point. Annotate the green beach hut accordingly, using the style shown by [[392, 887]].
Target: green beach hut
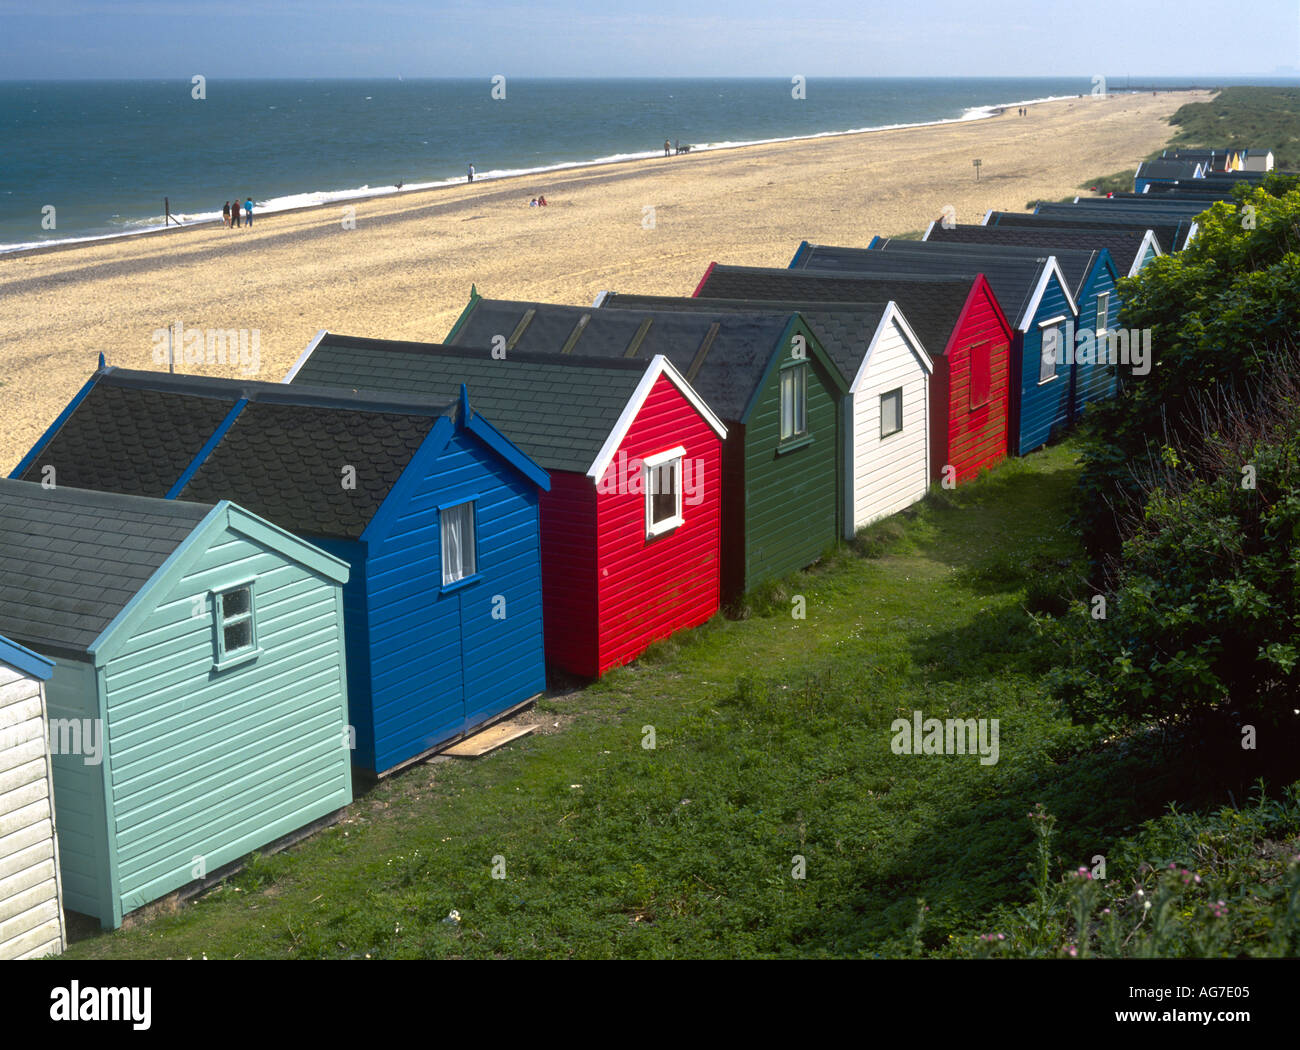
[[197, 706]]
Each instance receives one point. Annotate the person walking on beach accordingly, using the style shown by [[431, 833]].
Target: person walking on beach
[[225, 215], [234, 213], [667, 147], [248, 210], [471, 173]]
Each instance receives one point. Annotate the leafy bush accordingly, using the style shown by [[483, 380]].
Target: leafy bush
[[1204, 612], [1226, 884]]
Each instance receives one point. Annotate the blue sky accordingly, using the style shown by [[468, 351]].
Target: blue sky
[[380, 38]]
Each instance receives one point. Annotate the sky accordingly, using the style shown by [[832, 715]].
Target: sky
[[73, 39]]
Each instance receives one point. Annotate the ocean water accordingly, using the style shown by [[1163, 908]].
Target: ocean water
[[104, 154]]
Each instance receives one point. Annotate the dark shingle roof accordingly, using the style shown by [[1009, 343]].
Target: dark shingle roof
[[1013, 279], [70, 560], [1167, 169], [160, 434], [1123, 245], [1171, 233], [723, 355], [283, 457], [557, 409], [1075, 264], [932, 306], [844, 331]]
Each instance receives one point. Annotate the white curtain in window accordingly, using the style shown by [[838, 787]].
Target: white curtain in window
[[457, 543]]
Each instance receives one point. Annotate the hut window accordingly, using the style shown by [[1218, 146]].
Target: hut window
[[794, 402], [236, 625], [891, 412], [459, 546], [1103, 312], [663, 491], [1052, 351], [981, 371]]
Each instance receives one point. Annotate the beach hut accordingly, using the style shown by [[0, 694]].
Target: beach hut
[[1112, 212], [887, 412], [197, 709], [960, 325], [433, 510], [1091, 278], [31, 891], [1257, 160], [1167, 171], [1031, 289], [631, 525], [765, 376]]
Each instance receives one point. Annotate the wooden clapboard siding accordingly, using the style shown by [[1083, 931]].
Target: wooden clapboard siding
[[651, 588], [971, 439], [889, 473], [31, 914], [80, 801], [211, 765], [440, 661], [1095, 380], [793, 508], [1044, 408]]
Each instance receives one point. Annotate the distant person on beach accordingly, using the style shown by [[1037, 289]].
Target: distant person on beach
[[234, 213], [667, 147], [533, 203], [471, 173], [541, 202], [225, 215], [248, 210]]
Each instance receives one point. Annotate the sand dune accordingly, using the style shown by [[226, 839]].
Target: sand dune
[[405, 270]]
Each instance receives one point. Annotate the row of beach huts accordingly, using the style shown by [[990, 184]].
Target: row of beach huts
[[219, 598]]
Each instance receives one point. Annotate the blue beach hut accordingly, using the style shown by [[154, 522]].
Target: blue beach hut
[[432, 508]]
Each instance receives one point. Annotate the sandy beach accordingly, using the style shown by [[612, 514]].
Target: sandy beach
[[650, 226]]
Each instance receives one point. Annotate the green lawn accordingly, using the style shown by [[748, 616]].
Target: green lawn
[[772, 740]]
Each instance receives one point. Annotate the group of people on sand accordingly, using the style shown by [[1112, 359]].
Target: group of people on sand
[[231, 213], [537, 202], [1023, 111]]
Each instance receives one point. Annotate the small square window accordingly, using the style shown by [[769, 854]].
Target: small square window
[[236, 625], [663, 492], [459, 546], [794, 402], [891, 412]]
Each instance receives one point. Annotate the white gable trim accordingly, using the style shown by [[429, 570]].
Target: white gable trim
[[659, 366], [987, 215], [1148, 241], [1196, 228], [302, 358], [1052, 267], [892, 315], [600, 299], [926, 236]]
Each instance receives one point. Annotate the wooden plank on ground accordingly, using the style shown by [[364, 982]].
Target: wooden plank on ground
[[489, 740]]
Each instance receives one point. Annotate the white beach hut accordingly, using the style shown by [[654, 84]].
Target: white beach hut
[[31, 897]]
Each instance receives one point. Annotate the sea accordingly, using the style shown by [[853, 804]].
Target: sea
[[87, 159]]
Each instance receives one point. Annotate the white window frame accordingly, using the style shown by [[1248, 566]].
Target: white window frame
[[1058, 325], [799, 401], [469, 567], [898, 429], [649, 470], [227, 658], [1103, 313]]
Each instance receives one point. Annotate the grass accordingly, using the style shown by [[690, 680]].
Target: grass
[[1260, 117], [1119, 182], [771, 742]]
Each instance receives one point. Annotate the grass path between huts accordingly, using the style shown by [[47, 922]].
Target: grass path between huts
[[772, 739]]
